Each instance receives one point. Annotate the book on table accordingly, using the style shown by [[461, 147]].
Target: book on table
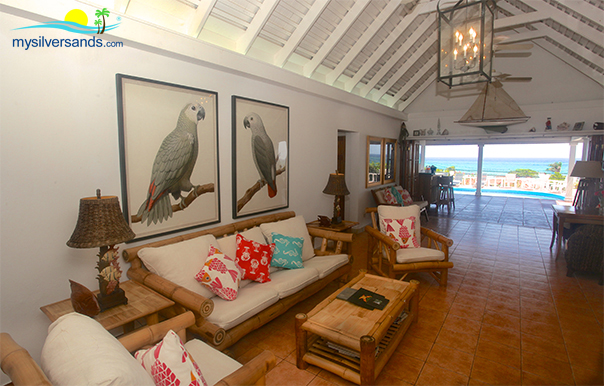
[[364, 298]]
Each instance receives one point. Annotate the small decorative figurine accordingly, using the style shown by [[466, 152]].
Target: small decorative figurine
[[83, 300], [548, 124], [445, 132], [430, 131], [532, 130], [422, 131], [563, 126]]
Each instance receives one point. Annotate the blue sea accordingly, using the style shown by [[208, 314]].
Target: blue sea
[[497, 166]]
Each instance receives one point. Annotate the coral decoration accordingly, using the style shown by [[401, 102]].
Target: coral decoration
[[83, 300]]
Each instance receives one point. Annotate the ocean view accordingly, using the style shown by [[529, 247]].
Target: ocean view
[[497, 166]]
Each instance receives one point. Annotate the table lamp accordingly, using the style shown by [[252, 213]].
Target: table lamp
[[589, 172], [336, 185], [101, 224]]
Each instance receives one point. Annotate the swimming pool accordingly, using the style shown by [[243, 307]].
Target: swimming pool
[[510, 193]]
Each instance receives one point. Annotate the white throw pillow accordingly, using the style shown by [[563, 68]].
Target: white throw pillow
[[79, 351], [180, 262], [293, 227]]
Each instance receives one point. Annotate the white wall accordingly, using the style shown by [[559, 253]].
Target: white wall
[[59, 143]]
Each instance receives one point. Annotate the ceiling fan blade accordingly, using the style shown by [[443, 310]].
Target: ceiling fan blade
[[512, 54], [513, 47], [517, 79]]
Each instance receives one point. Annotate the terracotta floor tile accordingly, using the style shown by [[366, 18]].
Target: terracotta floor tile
[[494, 373], [504, 306], [424, 331], [467, 311], [548, 368], [403, 367], [548, 346], [497, 352], [451, 359], [433, 375], [385, 379], [469, 289], [579, 356], [528, 283], [467, 326], [415, 347], [528, 293], [589, 341], [546, 330], [318, 381], [287, 374], [500, 335], [584, 376], [535, 380], [458, 340], [501, 320], [280, 343], [539, 315]]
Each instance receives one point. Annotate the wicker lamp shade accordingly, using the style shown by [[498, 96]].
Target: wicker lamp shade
[[100, 223], [336, 185]]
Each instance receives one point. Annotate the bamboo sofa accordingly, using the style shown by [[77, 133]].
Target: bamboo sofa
[[98, 358], [387, 258], [259, 302]]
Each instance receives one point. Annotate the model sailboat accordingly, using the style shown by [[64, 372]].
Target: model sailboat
[[493, 110]]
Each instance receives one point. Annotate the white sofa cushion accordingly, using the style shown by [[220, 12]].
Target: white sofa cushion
[[252, 299], [79, 351], [416, 255], [326, 264], [228, 244], [180, 262], [213, 364], [293, 227], [289, 281]]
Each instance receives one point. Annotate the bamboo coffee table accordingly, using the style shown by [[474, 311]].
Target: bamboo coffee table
[[335, 326]]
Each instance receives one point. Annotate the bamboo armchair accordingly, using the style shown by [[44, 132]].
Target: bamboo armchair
[[382, 253], [23, 370]]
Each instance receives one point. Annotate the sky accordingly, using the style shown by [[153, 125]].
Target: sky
[[554, 150]]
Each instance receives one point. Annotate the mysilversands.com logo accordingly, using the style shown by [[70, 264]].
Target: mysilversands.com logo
[[76, 21]]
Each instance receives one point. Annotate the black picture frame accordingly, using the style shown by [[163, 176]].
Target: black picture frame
[[148, 112], [250, 190]]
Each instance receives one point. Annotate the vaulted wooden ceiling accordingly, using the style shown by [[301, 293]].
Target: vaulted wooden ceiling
[[382, 50]]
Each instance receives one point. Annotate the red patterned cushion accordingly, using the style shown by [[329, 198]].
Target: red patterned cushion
[[389, 197], [401, 230], [220, 274], [407, 200], [254, 259], [169, 363]]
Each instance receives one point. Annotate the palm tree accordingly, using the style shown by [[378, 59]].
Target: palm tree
[[103, 13], [98, 22], [555, 167]]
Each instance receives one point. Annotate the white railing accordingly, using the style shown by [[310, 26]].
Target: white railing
[[510, 181]]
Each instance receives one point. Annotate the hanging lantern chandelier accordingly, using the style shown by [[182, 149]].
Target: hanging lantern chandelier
[[465, 42]]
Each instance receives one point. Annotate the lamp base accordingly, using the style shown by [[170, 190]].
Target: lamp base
[[116, 298]]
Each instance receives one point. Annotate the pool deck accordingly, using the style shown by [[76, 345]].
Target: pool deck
[[515, 211]]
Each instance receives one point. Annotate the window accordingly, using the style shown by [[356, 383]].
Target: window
[[381, 161]]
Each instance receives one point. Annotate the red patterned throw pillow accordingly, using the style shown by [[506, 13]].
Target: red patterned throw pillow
[[220, 274], [389, 197], [254, 259], [407, 200], [401, 231], [169, 363]]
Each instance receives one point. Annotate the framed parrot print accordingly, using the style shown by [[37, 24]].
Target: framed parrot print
[[260, 156], [168, 137]]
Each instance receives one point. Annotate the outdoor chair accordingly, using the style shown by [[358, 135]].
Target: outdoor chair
[[399, 245], [446, 195]]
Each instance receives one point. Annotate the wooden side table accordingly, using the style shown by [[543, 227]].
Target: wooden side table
[[142, 303], [344, 226]]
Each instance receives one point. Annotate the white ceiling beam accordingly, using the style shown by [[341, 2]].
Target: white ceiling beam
[[587, 10], [410, 42], [121, 5], [244, 43], [299, 33], [425, 69], [366, 37], [523, 37], [406, 66], [543, 30], [199, 17], [337, 34], [519, 20], [573, 62], [568, 21], [420, 9]]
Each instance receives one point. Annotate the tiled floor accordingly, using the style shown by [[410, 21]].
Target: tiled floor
[[509, 315]]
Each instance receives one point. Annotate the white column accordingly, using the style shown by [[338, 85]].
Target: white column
[[479, 169], [422, 160], [572, 155]]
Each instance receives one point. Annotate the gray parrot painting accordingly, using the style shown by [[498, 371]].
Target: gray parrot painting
[[173, 165], [263, 152]]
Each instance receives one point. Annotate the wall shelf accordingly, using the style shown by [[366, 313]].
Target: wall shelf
[[550, 136]]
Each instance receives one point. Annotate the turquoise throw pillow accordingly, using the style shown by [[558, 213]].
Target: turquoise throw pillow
[[397, 195], [288, 251]]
